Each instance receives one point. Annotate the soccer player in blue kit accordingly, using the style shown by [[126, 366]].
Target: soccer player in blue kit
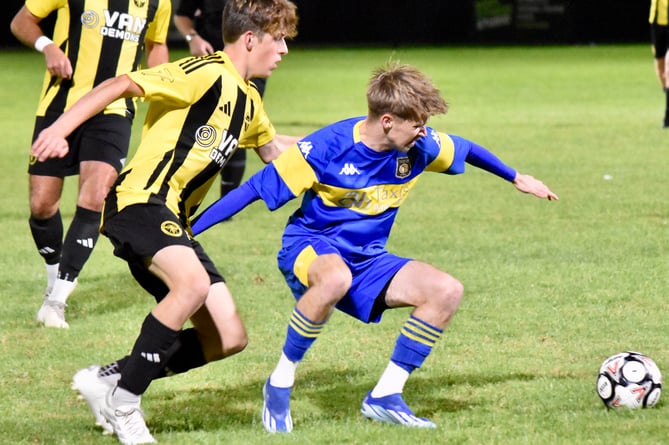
[[354, 175]]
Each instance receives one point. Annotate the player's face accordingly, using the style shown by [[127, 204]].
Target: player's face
[[267, 52], [404, 133]]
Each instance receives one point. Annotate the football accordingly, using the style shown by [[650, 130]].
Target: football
[[629, 380]]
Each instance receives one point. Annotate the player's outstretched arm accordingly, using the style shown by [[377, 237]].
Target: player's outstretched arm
[[51, 141], [533, 186], [276, 146]]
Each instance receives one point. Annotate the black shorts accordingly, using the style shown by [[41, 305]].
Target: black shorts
[[659, 37], [139, 231], [104, 137]]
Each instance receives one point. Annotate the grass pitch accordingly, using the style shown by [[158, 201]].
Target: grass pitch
[[551, 288]]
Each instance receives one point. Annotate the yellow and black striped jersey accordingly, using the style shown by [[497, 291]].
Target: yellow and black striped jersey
[[659, 12], [200, 112], [102, 39]]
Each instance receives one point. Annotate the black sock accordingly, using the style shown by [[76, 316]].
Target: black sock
[[666, 108], [79, 242], [48, 237], [233, 172], [153, 348], [188, 356]]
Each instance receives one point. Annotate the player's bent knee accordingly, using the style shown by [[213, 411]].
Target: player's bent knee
[[231, 344], [451, 293]]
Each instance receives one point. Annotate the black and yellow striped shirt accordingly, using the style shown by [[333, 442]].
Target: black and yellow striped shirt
[[102, 39], [659, 12], [200, 112]]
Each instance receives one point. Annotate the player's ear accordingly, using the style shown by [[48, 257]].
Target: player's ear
[[387, 122], [249, 40]]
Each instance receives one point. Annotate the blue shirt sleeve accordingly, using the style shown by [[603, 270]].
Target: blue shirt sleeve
[[265, 184], [478, 156]]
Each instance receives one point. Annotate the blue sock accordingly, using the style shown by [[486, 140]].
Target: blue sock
[[414, 343], [302, 332]]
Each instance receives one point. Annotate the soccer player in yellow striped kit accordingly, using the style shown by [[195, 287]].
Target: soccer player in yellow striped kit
[[93, 40], [659, 31], [201, 109]]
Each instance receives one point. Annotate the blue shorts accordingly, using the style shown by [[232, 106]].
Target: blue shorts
[[365, 300]]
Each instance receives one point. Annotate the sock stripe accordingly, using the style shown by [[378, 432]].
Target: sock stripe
[[421, 332], [304, 326]]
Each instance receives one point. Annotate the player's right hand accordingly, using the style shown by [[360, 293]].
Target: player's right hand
[[57, 62], [49, 144]]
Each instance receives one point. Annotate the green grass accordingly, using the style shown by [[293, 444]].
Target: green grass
[[551, 288]]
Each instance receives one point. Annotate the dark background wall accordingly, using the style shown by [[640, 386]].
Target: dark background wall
[[405, 22]]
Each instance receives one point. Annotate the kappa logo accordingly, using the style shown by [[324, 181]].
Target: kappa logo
[[305, 147], [349, 169], [171, 228], [435, 137]]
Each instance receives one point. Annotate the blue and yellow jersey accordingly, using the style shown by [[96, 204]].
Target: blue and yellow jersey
[[102, 39], [659, 12], [200, 112], [352, 193]]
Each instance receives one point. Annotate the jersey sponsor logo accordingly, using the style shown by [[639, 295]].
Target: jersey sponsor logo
[[370, 201], [225, 149], [349, 169], [305, 147], [117, 25], [403, 167], [171, 228]]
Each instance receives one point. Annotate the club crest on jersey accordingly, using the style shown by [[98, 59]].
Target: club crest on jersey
[[171, 228], [403, 167], [139, 3]]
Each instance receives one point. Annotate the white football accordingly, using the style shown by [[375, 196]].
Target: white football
[[629, 380]]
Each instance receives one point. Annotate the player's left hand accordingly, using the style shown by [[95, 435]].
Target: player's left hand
[[529, 184], [49, 144]]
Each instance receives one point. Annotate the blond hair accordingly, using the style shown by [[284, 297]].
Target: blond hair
[[275, 17], [404, 91]]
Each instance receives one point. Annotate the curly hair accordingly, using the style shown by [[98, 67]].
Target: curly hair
[[275, 17]]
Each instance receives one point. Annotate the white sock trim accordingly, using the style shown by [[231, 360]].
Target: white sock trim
[[283, 375], [391, 382], [61, 290]]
